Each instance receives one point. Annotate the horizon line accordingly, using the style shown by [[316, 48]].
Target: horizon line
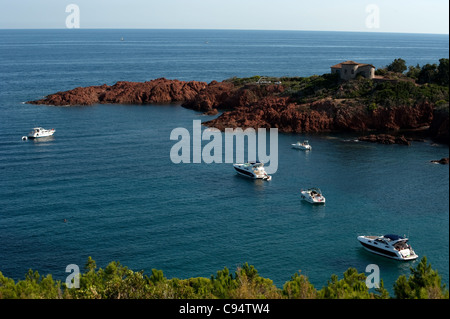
[[229, 29]]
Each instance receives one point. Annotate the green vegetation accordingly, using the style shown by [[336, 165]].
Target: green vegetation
[[398, 66], [118, 282], [393, 93], [308, 89], [427, 74], [427, 83], [394, 88]]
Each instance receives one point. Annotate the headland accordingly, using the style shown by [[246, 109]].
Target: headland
[[389, 108]]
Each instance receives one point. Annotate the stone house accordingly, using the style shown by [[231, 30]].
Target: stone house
[[350, 69]]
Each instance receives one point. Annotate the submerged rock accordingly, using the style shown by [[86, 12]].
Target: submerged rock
[[385, 139], [443, 161]]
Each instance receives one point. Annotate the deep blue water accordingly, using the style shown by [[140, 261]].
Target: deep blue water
[[108, 172]]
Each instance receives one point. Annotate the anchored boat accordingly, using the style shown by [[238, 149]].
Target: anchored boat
[[391, 246], [313, 195], [40, 132], [302, 146], [253, 170]]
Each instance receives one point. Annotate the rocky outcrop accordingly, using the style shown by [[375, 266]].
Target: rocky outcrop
[[224, 95], [155, 91], [273, 111], [212, 96], [439, 127], [385, 139], [264, 106], [443, 161], [357, 118], [323, 115]]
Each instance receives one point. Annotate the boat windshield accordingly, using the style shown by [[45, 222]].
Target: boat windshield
[[393, 237], [256, 164]]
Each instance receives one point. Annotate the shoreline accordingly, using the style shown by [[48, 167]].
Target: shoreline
[[245, 103]]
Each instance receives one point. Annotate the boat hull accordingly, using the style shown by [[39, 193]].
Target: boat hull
[[46, 133], [31, 137], [245, 173], [301, 147]]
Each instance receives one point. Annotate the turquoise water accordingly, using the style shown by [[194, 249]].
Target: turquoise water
[[108, 171]]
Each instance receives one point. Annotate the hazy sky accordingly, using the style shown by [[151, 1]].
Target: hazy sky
[[411, 16]]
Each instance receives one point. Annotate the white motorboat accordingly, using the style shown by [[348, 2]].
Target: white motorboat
[[391, 246], [302, 146], [40, 132], [253, 170], [313, 195]]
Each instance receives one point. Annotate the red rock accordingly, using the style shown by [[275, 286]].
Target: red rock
[[123, 92], [439, 127], [443, 161], [385, 139], [209, 97], [211, 112], [261, 106]]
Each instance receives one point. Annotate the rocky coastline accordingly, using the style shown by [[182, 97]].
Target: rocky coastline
[[254, 105]]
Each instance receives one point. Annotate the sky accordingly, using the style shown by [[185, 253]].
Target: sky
[[403, 16]]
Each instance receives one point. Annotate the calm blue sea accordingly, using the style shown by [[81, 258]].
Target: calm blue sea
[[108, 172]]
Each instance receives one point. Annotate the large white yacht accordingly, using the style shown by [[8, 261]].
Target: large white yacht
[[313, 195], [40, 132], [253, 170], [391, 246]]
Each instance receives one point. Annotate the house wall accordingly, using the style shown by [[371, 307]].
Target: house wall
[[367, 71], [333, 71], [349, 71]]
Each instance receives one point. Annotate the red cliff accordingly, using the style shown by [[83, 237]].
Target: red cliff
[[323, 115], [155, 91], [257, 106]]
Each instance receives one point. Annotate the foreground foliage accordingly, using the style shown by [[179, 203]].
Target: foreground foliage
[[119, 282]]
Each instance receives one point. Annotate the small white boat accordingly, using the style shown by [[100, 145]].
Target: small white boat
[[312, 195], [391, 246], [302, 146], [253, 170], [40, 132]]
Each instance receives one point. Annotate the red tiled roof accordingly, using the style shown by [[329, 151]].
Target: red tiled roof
[[339, 65], [365, 64]]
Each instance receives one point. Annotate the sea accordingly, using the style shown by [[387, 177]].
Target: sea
[[106, 186]]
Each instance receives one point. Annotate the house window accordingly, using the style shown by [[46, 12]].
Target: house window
[[353, 71]]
